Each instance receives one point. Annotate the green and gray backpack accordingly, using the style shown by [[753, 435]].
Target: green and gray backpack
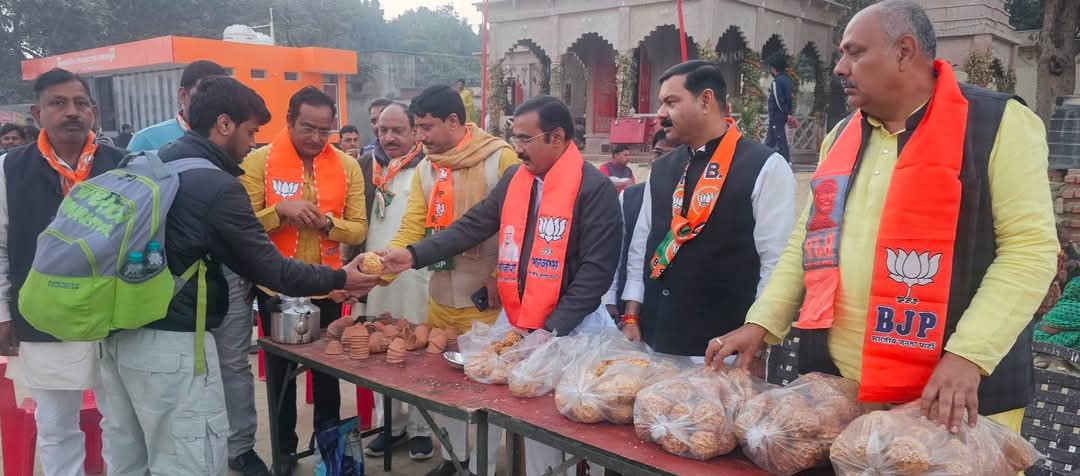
[[100, 265]]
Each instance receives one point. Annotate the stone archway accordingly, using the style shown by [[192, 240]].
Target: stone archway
[[657, 52], [773, 46], [601, 89], [528, 71], [811, 72], [730, 50]]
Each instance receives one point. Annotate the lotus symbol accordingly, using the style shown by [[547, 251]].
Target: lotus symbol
[[677, 203], [443, 174], [911, 269], [285, 189], [440, 210], [551, 229], [705, 199]]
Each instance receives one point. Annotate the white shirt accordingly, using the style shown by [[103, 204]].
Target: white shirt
[[773, 202], [42, 365]]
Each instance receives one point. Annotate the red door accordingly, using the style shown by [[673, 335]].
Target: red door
[[605, 96], [644, 98]]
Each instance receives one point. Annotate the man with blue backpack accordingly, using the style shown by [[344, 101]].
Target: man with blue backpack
[[34, 179]]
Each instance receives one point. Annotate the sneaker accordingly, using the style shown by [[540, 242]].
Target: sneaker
[[420, 448], [447, 469], [249, 464], [377, 447]]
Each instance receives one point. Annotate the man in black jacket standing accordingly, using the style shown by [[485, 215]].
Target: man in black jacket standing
[[34, 179], [781, 105], [160, 416]]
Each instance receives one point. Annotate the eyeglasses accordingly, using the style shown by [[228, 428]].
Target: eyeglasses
[[523, 141], [308, 130]]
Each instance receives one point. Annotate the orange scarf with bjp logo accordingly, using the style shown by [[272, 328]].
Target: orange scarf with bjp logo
[[913, 257], [285, 181], [546, 262]]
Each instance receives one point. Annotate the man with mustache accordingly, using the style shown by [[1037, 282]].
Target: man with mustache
[[462, 165], [33, 181], [556, 217], [714, 218], [390, 170], [309, 197], [941, 244]]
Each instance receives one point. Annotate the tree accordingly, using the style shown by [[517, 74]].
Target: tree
[[1059, 45], [1025, 14]]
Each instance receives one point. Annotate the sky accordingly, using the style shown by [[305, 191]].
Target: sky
[[465, 8]]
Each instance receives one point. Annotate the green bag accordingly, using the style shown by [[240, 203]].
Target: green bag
[[76, 289]]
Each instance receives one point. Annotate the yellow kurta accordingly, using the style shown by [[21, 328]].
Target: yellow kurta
[[350, 229], [413, 230], [1012, 289]]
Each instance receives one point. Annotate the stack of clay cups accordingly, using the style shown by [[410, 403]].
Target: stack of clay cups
[[378, 343], [395, 354], [436, 341], [360, 341], [419, 337]]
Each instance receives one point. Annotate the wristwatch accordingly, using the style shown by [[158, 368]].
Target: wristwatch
[[329, 226]]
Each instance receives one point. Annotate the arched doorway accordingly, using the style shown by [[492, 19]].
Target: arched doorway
[[655, 54], [527, 68], [601, 90], [811, 78], [773, 46], [730, 49]]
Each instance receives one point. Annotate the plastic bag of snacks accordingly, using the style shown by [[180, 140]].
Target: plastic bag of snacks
[[540, 372], [900, 442], [603, 384], [790, 429], [693, 414], [490, 352]]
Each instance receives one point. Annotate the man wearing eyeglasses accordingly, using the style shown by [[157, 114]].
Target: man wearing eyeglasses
[[310, 198]]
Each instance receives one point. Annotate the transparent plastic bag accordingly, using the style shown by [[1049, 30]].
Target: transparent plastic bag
[[491, 352], [693, 414], [900, 442], [538, 375], [790, 429], [603, 384]]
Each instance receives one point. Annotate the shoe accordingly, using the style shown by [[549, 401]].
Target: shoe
[[377, 447], [447, 469], [287, 468], [249, 464], [420, 448]]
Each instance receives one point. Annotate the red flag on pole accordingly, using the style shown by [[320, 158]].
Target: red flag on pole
[[682, 30], [484, 66]]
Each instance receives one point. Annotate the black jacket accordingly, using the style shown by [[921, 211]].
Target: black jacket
[[212, 218], [591, 256]]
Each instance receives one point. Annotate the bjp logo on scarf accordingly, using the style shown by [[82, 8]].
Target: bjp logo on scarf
[[911, 269], [550, 229], [677, 202], [285, 189], [440, 210]]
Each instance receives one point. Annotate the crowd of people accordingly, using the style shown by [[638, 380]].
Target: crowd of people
[[915, 269]]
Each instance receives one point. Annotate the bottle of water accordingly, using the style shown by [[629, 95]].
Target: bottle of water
[[155, 259], [135, 268]]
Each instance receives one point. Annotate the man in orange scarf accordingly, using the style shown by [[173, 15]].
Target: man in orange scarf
[[557, 220], [33, 181], [310, 198], [932, 242], [462, 165]]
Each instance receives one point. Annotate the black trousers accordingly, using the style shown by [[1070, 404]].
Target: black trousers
[[325, 387]]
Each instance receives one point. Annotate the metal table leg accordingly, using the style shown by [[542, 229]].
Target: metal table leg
[[388, 431], [481, 444], [444, 440], [513, 453]]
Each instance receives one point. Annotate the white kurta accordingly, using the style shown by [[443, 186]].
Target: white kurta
[[407, 296]]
